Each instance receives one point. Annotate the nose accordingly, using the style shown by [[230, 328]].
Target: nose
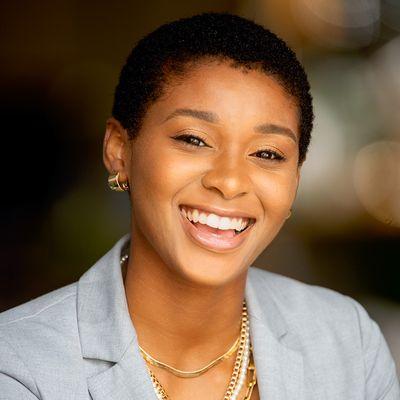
[[228, 176]]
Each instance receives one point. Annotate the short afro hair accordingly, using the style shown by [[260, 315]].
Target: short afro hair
[[173, 46]]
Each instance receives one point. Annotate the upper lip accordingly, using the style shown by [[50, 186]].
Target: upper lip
[[223, 212]]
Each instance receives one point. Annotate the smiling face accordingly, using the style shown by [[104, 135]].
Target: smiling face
[[223, 141]]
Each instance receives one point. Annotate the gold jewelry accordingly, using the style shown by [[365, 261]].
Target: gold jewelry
[[115, 184], [253, 381], [190, 374], [160, 392], [241, 367], [242, 359], [243, 364]]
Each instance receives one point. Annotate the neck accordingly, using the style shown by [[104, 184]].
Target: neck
[[178, 321]]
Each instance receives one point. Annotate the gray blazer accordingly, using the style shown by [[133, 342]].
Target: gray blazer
[[78, 342]]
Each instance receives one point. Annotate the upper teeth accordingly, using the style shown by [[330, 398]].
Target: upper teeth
[[214, 220]]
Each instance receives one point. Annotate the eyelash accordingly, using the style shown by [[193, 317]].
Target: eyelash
[[182, 138]]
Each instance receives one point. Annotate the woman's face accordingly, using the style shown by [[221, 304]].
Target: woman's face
[[224, 142]]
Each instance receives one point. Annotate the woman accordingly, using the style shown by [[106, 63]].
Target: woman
[[211, 123]]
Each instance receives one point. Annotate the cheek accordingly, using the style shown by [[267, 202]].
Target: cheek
[[151, 179], [276, 191], [159, 175], [154, 182]]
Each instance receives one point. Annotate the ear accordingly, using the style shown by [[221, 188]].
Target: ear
[[297, 181], [116, 153]]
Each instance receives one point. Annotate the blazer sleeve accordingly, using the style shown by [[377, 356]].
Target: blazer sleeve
[[16, 381], [381, 379]]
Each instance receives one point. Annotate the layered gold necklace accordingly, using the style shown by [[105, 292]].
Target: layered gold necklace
[[244, 364]]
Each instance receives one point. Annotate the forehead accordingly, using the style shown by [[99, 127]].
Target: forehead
[[236, 95]]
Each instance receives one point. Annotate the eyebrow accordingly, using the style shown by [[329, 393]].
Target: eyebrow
[[272, 128], [207, 116], [211, 117]]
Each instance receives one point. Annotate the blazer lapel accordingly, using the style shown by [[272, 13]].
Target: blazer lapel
[[107, 336], [279, 368], [128, 379]]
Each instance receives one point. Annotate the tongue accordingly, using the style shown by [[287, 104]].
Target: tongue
[[229, 233]]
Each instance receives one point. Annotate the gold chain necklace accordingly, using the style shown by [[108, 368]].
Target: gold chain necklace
[[241, 367], [162, 395], [189, 374]]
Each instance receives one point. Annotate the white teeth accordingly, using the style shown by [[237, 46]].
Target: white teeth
[[215, 221], [203, 218], [238, 223], [224, 223], [195, 215]]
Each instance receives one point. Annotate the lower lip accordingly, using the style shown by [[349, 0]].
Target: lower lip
[[213, 241]]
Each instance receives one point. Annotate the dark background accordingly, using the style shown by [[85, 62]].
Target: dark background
[[60, 62]]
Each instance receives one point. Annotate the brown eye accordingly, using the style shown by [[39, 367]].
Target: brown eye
[[270, 155], [191, 140]]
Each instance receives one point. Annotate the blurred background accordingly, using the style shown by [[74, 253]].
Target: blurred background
[[59, 66]]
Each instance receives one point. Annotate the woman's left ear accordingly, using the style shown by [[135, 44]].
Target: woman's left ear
[[298, 178], [295, 193]]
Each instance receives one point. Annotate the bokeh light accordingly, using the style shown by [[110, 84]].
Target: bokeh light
[[377, 180], [339, 23]]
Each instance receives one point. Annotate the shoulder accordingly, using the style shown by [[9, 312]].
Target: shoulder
[[330, 328], [40, 335], [42, 306], [40, 321], [301, 301]]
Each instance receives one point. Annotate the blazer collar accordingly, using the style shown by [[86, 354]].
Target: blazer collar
[[106, 333], [279, 368], [105, 327]]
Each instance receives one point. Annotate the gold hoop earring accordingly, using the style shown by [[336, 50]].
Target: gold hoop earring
[[115, 184], [290, 213]]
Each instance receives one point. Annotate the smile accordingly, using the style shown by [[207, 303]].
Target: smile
[[214, 231]]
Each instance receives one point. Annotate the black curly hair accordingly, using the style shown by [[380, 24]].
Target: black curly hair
[[173, 47]]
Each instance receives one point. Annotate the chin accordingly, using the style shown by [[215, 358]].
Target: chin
[[212, 270]]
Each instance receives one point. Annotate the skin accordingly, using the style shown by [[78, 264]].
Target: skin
[[185, 300]]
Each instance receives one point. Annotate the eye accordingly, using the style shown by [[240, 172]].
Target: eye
[[191, 140], [270, 155]]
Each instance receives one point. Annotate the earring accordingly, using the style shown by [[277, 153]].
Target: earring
[[115, 184], [290, 213]]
